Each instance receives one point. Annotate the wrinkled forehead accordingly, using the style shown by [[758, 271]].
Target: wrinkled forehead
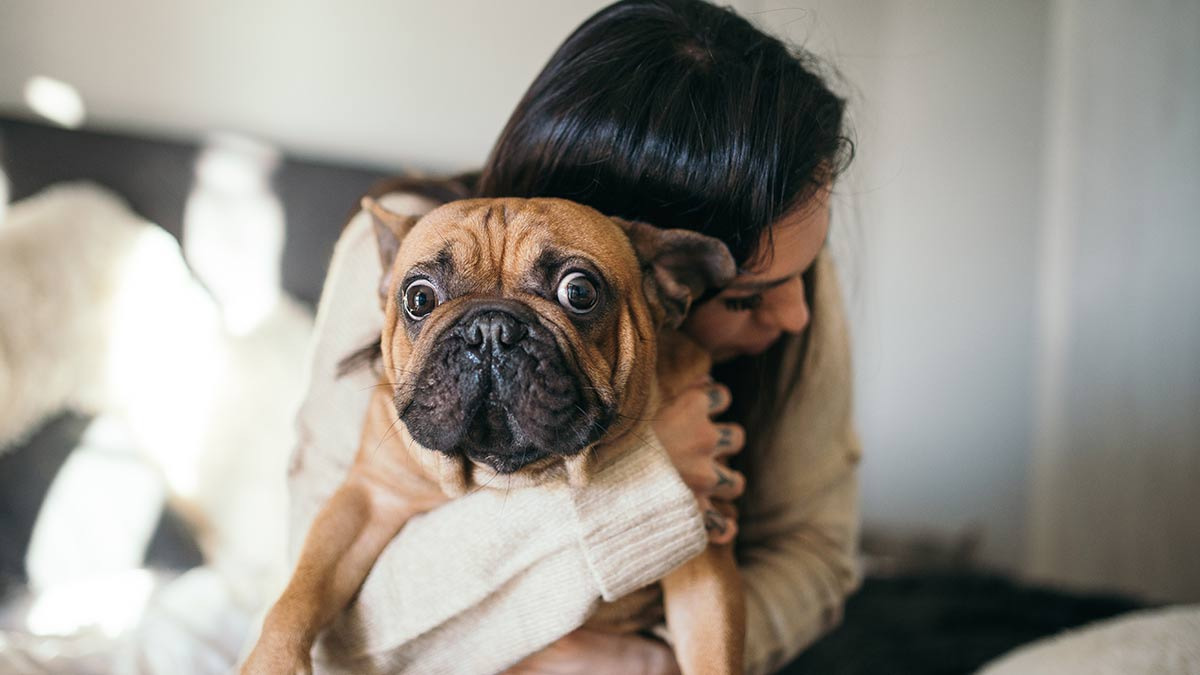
[[508, 236]]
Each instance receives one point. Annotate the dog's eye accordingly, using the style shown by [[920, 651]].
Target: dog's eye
[[419, 299], [577, 293]]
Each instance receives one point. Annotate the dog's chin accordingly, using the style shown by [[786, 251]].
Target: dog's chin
[[506, 462], [508, 446], [498, 450]]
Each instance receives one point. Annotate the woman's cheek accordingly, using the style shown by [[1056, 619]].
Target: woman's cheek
[[716, 328]]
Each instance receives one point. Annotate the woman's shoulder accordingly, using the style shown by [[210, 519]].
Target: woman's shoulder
[[357, 244], [404, 195]]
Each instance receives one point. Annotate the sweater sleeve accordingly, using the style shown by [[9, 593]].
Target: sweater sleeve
[[799, 521], [486, 579]]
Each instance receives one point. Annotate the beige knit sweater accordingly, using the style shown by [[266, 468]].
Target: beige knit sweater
[[479, 583]]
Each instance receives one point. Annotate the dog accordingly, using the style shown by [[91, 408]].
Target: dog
[[524, 341]]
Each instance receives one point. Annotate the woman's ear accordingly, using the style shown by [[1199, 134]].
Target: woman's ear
[[678, 266], [390, 229]]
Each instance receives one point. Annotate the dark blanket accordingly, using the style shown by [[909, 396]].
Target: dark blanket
[[946, 623]]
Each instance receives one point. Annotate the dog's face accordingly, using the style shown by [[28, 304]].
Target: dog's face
[[520, 332]]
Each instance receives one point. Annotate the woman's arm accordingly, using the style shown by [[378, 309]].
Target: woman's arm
[[797, 563], [796, 580], [533, 563]]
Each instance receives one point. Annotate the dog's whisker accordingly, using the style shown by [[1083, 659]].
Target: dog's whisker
[[387, 432], [485, 485]]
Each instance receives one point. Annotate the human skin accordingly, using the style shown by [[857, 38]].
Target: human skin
[[746, 318], [771, 295]]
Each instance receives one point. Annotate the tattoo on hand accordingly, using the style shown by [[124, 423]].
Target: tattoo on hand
[[714, 521], [726, 438], [715, 399], [723, 478]]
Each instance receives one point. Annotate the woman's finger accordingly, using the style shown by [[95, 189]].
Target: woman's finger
[[729, 485], [719, 398], [726, 508], [731, 438], [721, 529]]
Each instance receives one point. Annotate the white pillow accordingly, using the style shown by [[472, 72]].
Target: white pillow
[[1153, 642]]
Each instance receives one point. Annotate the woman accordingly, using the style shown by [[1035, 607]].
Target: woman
[[679, 114]]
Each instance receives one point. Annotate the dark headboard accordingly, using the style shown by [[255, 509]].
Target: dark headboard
[[156, 175]]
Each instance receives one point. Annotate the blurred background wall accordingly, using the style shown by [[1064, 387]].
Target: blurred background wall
[[1017, 230]]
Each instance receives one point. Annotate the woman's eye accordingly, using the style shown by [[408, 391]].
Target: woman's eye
[[744, 304], [419, 299], [577, 293]]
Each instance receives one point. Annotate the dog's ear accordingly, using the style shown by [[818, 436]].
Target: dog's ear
[[678, 267], [390, 229]]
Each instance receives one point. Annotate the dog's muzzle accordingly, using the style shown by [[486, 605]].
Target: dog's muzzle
[[496, 388]]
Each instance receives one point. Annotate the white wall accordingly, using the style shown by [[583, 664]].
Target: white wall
[[942, 213], [1116, 462]]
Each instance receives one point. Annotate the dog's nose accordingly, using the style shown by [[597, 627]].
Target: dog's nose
[[494, 329]]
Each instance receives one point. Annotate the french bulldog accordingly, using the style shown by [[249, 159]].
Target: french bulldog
[[524, 341]]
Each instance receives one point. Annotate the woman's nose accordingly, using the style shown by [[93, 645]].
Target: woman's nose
[[787, 310]]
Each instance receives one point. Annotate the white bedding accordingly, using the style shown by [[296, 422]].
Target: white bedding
[[1151, 642]]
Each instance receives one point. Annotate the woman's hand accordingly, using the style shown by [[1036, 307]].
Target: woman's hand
[[699, 449], [598, 653]]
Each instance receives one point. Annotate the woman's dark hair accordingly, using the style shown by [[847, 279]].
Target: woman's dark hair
[[678, 113], [681, 114]]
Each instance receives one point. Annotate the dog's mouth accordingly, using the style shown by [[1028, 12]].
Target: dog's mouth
[[490, 439], [498, 390]]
